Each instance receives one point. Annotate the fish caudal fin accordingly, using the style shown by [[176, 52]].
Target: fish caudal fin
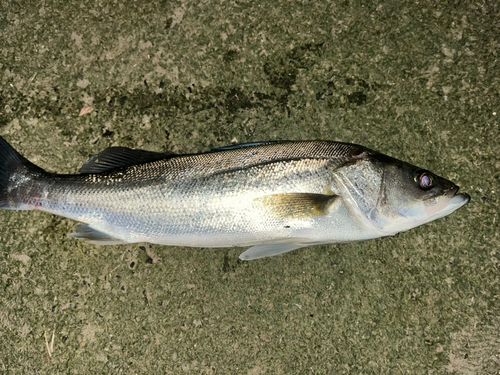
[[13, 168]]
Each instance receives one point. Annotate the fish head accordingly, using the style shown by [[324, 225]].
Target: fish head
[[410, 196]]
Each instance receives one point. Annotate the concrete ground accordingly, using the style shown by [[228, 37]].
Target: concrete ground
[[416, 80]]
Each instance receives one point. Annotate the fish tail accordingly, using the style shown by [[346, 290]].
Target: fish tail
[[15, 171]]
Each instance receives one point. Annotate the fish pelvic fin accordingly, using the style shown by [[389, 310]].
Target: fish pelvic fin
[[270, 250], [295, 205], [94, 236], [15, 170]]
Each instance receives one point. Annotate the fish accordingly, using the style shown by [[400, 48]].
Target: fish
[[274, 197]]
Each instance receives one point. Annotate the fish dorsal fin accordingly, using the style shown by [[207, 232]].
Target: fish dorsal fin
[[295, 205], [119, 157], [244, 145]]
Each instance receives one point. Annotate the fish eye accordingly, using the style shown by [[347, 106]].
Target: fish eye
[[424, 179]]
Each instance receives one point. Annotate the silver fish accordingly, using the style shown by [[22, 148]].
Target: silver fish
[[273, 196]]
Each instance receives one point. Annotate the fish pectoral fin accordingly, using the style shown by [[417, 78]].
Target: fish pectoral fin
[[120, 157], [270, 250], [93, 236], [295, 205]]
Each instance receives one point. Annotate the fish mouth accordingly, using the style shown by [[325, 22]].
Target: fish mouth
[[446, 204], [458, 199], [452, 196]]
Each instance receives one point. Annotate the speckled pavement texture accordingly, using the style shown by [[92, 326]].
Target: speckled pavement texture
[[416, 80]]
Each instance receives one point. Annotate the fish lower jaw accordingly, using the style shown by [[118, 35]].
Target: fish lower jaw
[[446, 207]]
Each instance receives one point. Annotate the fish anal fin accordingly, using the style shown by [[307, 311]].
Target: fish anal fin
[[94, 236], [120, 157], [295, 205], [270, 250]]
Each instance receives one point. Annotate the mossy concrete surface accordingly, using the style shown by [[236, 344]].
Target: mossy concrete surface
[[416, 80]]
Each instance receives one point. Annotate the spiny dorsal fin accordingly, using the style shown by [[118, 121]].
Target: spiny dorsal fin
[[295, 205], [119, 157]]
